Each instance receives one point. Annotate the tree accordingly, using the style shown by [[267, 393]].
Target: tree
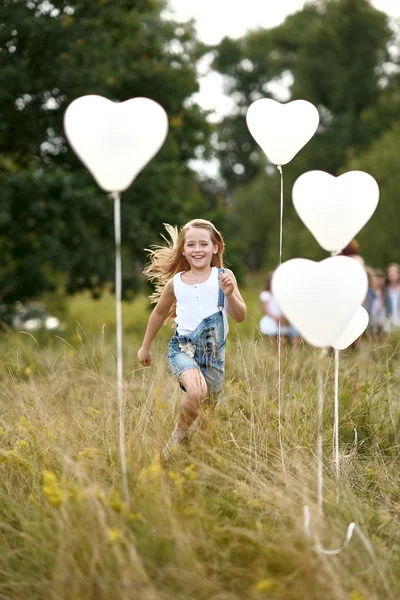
[[334, 53], [53, 217], [379, 239]]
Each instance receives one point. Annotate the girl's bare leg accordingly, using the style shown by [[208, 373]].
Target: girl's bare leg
[[192, 403], [190, 408], [206, 417]]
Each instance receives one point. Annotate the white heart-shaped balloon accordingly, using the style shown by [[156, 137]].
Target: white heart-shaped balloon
[[334, 209], [320, 298], [354, 329], [282, 129], [115, 140]]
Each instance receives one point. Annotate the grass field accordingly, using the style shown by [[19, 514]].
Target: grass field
[[223, 521]]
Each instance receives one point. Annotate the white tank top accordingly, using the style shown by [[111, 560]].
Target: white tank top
[[196, 302]]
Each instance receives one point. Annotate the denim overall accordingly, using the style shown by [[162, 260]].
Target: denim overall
[[203, 349]]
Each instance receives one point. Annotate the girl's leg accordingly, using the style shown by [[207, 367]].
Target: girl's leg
[[196, 391], [203, 424]]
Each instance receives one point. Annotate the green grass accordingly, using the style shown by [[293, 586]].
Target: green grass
[[225, 520]]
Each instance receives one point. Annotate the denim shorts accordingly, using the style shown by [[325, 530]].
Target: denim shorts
[[203, 349]]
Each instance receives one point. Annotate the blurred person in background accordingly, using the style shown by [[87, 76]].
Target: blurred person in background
[[272, 313], [392, 292], [375, 303], [352, 250]]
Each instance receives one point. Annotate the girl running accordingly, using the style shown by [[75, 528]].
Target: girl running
[[194, 290]]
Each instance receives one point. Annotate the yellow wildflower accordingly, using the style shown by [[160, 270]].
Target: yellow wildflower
[[265, 585], [21, 445], [357, 596], [178, 480], [13, 459], [88, 453], [52, 489], [191, 472], [152, 473], [114, 535], [114, 501], [135, 518], [24, 423]]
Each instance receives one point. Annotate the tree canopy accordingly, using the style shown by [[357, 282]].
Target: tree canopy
[[56, 225], [333, 53], [53, 217]]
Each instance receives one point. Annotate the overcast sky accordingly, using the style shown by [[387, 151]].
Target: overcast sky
[[215, 19], [218, 18]]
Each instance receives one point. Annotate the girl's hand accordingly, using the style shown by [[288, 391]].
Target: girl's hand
[[227, 284], [144, 357]]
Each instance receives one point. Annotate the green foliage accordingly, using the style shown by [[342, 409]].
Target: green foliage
[[379, 239], [335, 54], [53, 218]]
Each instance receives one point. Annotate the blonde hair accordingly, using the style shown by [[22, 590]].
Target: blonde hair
[[167, 260]]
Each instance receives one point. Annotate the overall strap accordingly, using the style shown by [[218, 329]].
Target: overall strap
[[221, 297]]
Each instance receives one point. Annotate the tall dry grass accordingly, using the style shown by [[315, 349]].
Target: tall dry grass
[[222, 521]]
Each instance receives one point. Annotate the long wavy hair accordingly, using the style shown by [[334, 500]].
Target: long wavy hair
[[166, 260]]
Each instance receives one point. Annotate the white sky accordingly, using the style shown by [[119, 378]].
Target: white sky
[[215, 19], [218, 18]]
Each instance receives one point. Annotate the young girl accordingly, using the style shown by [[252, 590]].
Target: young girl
[[194, 290]]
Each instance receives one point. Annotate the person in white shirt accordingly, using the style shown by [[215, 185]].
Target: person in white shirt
[[194, 290], [272, 313]]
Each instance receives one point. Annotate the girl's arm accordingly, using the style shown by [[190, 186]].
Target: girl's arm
[[236, 306], [156, 319]]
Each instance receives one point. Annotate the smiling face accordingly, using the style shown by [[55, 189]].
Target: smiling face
[[199, 248]]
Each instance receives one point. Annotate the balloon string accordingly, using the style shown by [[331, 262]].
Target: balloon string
[[281, 218], [352, 527], [336, 423], [336, 414], [349, 534], [118, 308], [320, 462], [306, 511], [279, 332]]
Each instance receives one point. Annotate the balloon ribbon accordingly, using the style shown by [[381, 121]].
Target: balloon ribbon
[[118, 308], [279, 331]]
